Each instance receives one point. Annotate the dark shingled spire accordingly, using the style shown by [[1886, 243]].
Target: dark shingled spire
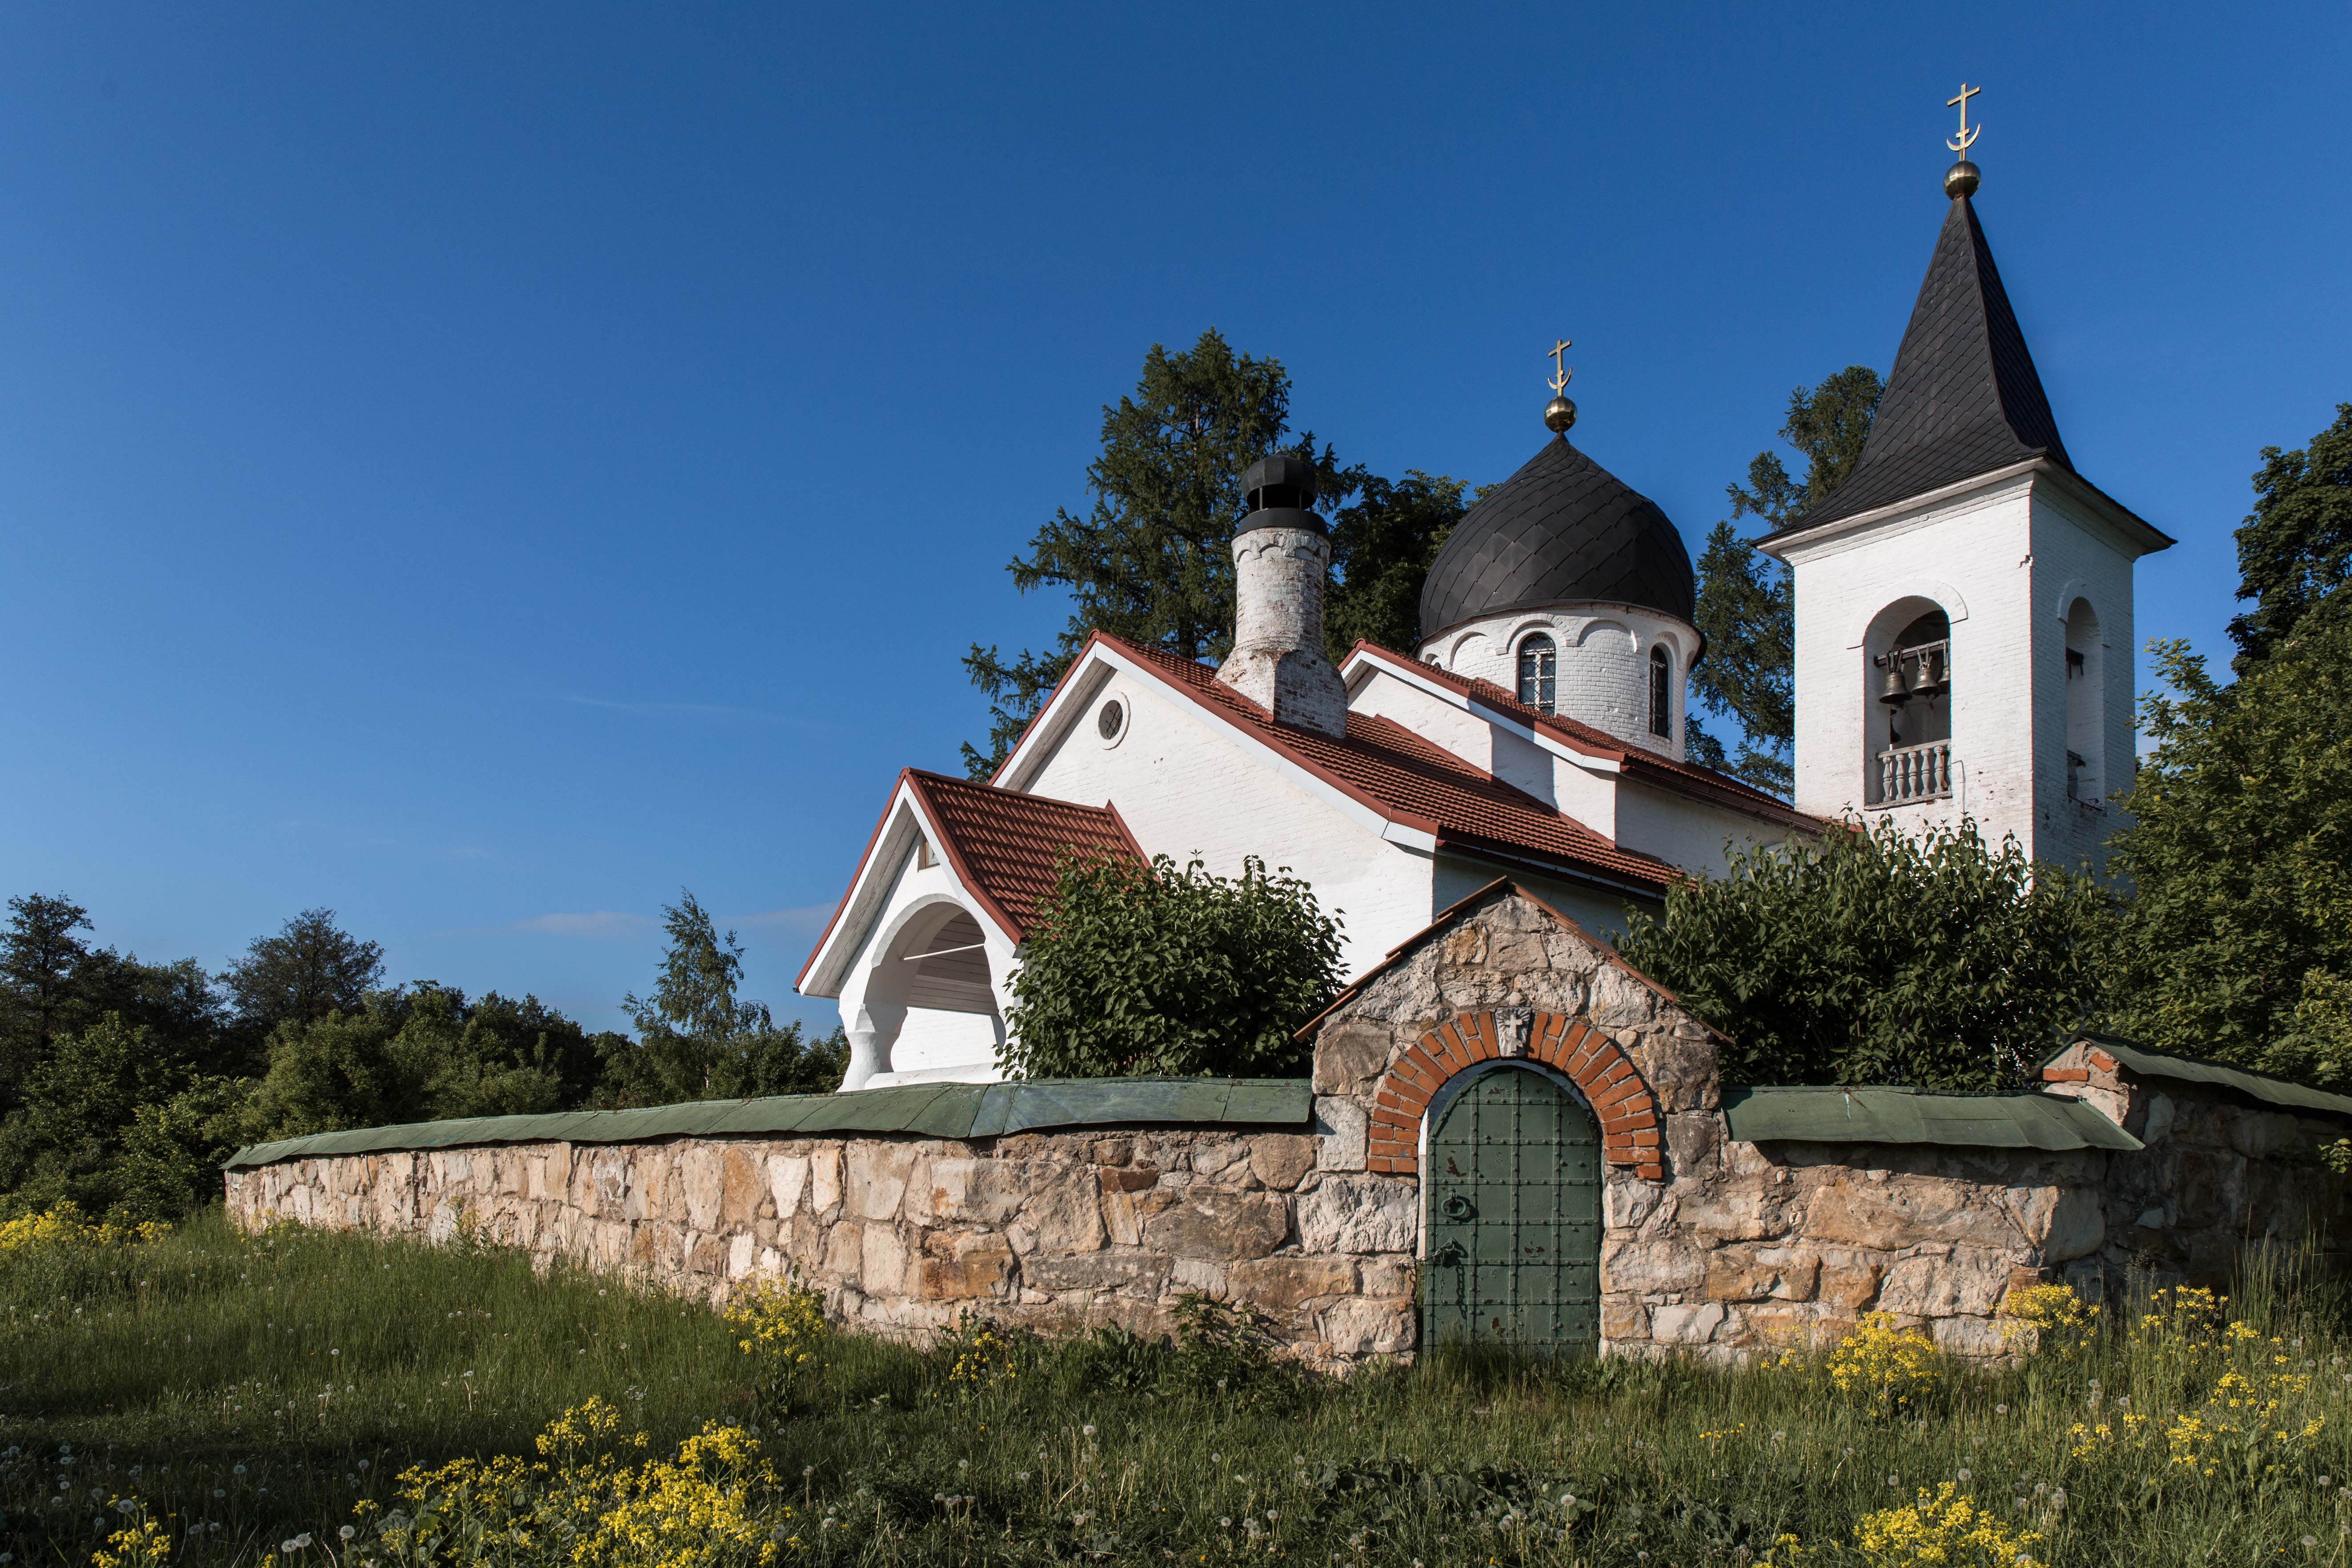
[[1964, 399]]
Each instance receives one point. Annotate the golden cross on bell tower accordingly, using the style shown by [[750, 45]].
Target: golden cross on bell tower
[[1967, 138], [1561, 372]]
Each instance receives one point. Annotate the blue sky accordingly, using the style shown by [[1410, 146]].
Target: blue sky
[[482, 469]]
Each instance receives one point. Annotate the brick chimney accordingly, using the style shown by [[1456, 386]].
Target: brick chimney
[[1282, 556]]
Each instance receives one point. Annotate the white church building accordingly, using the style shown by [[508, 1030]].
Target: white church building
[[1963, 645]]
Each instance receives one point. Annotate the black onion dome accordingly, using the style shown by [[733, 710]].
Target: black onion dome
[[1563, 530]]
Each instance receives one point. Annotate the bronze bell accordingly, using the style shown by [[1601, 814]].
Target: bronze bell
[[1896, 691], [1937, 680]]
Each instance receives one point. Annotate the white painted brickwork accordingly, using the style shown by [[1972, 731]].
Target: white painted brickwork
[[1603, 660], [1278, 661], [1997, 561]]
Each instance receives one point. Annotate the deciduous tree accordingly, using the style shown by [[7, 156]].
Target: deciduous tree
[[1382, 544], [310, 970], [2294, 549], [697, 1039], [2237, 837]]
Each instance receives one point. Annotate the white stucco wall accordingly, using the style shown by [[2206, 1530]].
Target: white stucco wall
[[1972, 558], [1600, 913], [920, 1042], [2077, 557], [1549, 771], [2005, 562], [1185, 787]]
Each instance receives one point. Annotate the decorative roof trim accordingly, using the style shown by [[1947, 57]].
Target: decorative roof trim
[[830, 964], [2135, 529], [1555, 735]]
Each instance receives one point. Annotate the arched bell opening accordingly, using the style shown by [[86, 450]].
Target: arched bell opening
[[2086, 707], [1907, 704]]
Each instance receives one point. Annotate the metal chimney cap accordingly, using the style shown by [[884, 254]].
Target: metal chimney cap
[[1282, 468]]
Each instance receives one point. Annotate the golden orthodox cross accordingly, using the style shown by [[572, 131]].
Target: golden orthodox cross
[[1967, 138], [1560, 373]]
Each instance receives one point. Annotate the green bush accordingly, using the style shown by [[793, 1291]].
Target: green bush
[[1935, 961], [1133, 971]]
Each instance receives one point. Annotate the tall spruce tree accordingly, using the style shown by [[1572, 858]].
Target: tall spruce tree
[[1152, 559], [1382, 544], [2294, 549], [1746, 610]]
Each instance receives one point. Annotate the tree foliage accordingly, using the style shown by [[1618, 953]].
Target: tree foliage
[[1746, 609], [2294, 549], [1152, 561], [1134, 969], [1876, 958], [312, 969], [699, 1040], [422, 1053], [1383, 545], [2238, 834]]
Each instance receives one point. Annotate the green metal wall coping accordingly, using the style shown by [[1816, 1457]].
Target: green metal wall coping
[[958, 1110], [1877, 1114], [2271, 1090]]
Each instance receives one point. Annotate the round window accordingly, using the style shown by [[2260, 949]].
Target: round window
[[1110, 722]]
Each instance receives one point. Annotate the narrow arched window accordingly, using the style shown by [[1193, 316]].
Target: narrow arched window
[[1661, 692], [1539, 672]]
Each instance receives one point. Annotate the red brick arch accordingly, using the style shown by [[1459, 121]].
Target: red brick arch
[[1593, 1061]]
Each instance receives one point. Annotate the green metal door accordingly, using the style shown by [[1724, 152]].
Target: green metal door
[[1512, 1184]]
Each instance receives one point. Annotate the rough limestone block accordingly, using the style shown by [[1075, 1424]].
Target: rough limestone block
[[1342, 1130], [954, 1191], [968, 1267], [1685, 1325], [1098, 1272], [1971, 1280], [825, 1181], [1281, 1284], [1350, 1055], [788, 1177], [1359, 1327], [1361, 1213], [1890, 1215], [1280, 1158], [1214, 1223], [1976, 1337], [1656, 1268], [882, 1269], [877, 1178], [1062, 1213]]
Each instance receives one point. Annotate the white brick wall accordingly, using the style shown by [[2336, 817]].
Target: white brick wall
[[1997, 561], [1603, 661]]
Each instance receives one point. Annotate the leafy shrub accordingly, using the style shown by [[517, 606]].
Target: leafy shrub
[[1135, 970], [1882, 957]]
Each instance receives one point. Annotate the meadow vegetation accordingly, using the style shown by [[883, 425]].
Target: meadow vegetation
[[199, 1396]]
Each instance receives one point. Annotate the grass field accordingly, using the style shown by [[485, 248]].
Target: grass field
[[205, 1397]]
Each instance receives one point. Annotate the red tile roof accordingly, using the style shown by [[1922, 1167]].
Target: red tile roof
[[1413, 781], [1004, 845], [1636, 761]]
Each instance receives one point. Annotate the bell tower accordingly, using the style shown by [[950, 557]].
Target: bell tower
[[1964, 628]]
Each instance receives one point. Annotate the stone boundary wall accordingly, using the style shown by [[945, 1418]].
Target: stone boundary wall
[[1054, 1231], [1709, 1246]]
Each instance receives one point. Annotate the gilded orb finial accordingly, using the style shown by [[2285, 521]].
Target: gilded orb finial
[[1559, 413], [1963, 177]]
